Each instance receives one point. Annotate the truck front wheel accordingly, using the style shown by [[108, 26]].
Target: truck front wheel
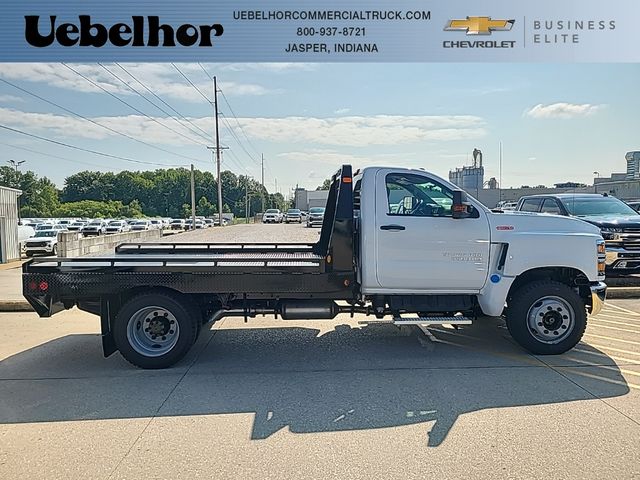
[[546, 317], [155, 330]]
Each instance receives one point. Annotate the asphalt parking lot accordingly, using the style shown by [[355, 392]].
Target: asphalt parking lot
[[317, 399]]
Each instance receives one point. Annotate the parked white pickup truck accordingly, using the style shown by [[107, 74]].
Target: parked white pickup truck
[[395, 243]]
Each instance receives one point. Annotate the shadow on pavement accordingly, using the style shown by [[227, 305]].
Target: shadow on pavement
[[296, 378]]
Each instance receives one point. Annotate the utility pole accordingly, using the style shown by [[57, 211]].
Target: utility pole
[[246, 200], [16, 165], [193, 199], [215, 106]]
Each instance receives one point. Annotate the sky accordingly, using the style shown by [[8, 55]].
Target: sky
[[557, 122]]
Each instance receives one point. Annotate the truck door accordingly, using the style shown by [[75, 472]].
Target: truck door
[[420, 248]]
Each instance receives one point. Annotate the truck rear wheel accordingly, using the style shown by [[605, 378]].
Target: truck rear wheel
[[546, 317], [155, 330]]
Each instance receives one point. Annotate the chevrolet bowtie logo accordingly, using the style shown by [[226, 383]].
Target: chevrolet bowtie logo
[[479, 25]]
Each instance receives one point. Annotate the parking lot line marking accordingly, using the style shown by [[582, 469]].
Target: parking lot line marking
[[612, 338], [611, 305], [617, 317], [598, 319], [605, 367], [599, 378], [620, 359], [596, 325], [613, 349]]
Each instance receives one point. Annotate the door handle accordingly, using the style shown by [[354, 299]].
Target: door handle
[[393, 228]]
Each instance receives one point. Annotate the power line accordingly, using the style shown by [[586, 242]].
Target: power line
[[164, 102], [238, 122], [233, 134], [154, 104], [206, 73], [95, 152], [53, 156], [134, 108], [93, 121], [191, 83]]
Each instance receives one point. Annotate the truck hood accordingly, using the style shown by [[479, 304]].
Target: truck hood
[[519, 222], [40, 239], [607, 221]]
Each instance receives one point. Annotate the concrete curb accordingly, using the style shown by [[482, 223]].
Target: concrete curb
[[15, 306], [623, 292]]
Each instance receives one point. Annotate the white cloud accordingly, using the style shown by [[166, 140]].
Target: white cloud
[[341, 111], [360, 131], [65, 126], [10, 99], [162, 79], [562, 110], [337, 131]]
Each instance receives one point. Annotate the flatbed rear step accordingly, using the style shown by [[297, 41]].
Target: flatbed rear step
[[455, 320]]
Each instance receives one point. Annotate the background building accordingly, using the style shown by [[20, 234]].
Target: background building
[[9, 248], [306, 199], [625, 186]]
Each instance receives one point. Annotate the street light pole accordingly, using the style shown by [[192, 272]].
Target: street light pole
[[16, 165]]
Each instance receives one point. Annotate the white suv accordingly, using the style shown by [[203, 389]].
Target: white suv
[[273, 215], [44, 242]]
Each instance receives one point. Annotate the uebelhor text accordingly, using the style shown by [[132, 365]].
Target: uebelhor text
[[141, 32]]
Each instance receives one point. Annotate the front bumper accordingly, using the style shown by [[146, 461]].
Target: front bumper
[[621, 261], [36, 250], [598, 296]]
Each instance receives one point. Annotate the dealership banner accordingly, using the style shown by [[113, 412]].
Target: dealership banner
[[321, 31]]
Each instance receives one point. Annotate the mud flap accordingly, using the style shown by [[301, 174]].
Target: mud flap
[[108, 344]]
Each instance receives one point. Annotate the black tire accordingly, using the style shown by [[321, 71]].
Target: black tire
[[179, 307], [529, 300]]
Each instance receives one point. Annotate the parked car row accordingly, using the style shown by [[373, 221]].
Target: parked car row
[[315, 216]]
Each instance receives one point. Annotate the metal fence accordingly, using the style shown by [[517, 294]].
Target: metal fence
[[9, 247]]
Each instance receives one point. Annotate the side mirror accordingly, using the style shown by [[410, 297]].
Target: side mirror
[[408, 203], [460, 208]]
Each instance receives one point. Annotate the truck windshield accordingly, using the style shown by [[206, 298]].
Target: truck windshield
[[583, 207], [271, 210], [316, 210], [46, 233]]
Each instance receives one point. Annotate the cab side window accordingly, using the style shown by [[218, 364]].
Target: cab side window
[[418, 196], [551, 206], [531, 205]]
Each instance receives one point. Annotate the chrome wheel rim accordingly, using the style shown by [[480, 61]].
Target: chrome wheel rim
[[551, 319], [153, 331]]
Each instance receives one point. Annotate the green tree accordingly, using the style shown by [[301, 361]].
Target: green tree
[[325, 185]]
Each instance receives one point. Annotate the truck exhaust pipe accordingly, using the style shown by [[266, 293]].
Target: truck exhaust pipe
[[287, 309], [308, 309]]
